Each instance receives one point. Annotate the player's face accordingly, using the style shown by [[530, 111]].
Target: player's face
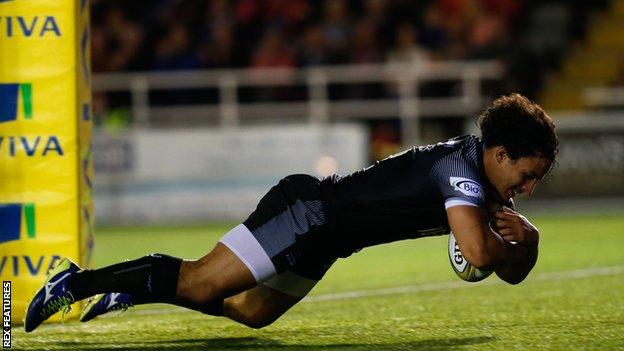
[[519, 176]]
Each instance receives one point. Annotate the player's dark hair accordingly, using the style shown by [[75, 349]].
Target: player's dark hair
[[520, 126]]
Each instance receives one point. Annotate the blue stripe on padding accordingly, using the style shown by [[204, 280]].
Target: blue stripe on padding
[[8, 102], [10, 222]]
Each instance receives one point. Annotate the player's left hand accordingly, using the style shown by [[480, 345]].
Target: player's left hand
[[513, 226]]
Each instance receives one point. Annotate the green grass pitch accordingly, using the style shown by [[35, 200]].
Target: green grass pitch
[[400, 296]]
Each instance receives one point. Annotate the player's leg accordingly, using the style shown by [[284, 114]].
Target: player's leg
[[270, 240], [160, 278], [262, 305], [236, 264], [204, 284], [201, 284], [256, 307], [259, 306]]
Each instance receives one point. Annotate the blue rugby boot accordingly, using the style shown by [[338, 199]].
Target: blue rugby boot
[[104, 303], [52, 297]]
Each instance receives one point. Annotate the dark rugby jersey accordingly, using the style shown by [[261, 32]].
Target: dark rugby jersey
[[406, 195]]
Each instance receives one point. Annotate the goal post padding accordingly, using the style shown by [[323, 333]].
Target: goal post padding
[[46, 167]]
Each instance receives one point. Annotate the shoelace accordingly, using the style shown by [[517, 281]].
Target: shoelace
[[66, 310], [62, 303]]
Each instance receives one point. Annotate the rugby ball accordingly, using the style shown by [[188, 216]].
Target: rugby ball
[[461, 267]]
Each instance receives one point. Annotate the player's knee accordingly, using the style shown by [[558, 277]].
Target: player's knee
[[247, 313], [258, 321], [213, 308]]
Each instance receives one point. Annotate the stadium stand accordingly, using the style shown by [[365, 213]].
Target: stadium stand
[[141, 36], [595, 61], [529, 38]]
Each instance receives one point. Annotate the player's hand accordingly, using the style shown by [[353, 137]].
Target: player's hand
[[513, 226]]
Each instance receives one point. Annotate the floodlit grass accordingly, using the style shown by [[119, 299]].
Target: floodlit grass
[[541, 313]]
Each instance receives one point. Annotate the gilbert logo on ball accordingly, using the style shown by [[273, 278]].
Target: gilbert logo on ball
[[461, 266], [457, 259]]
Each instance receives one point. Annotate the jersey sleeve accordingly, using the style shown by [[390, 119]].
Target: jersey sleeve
[[458, 182]]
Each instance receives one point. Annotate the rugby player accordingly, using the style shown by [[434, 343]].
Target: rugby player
[[268, 263]]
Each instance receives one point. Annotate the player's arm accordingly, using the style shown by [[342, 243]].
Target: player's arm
[[485, 249]]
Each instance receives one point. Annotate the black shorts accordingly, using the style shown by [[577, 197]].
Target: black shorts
[[289, 225]]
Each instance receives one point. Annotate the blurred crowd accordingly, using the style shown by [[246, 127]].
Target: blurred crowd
[[192, 34], [210, 34]]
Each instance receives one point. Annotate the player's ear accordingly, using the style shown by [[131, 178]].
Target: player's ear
[[501, 154]]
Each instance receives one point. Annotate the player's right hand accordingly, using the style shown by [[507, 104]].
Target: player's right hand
[[514, 227]]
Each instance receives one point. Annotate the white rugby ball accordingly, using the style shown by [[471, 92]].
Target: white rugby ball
[[461, 267]]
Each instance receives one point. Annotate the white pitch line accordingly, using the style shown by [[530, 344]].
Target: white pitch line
[[541, 277]]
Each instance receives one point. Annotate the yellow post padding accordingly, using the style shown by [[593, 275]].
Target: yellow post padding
[[46, 166]]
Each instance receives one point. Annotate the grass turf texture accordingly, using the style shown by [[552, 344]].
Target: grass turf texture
[[541, 313]]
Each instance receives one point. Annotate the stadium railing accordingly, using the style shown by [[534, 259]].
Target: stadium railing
[[604, 97], [317, 108]]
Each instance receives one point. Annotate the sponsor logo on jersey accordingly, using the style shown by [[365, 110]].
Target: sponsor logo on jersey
[[467, 187]]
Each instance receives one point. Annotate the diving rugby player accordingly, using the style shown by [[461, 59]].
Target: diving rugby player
[[268, 263]]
